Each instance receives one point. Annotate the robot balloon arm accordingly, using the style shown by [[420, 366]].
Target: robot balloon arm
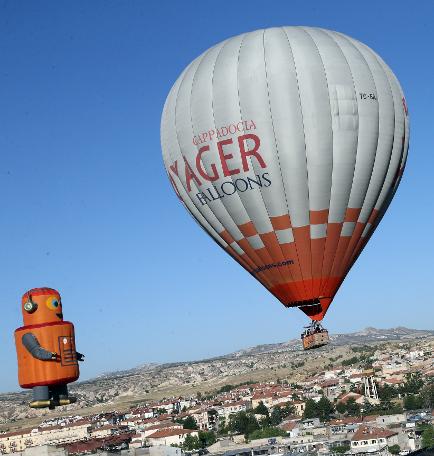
[[80, 356], [34, 348]]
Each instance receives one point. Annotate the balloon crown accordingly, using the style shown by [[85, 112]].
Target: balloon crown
[[39, 291]]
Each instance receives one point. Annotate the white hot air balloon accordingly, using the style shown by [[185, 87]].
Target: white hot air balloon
[[287, 145]]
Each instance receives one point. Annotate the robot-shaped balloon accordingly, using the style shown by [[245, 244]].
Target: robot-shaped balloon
[[47, 359]]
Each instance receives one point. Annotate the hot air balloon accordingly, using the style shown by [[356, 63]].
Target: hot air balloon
[[287, 145], [47, 358]]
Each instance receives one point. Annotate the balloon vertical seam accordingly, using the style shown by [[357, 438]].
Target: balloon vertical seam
[[304, 136], [348, 254], [332, 37]]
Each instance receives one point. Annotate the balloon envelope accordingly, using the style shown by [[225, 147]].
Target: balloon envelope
[[287, 145]]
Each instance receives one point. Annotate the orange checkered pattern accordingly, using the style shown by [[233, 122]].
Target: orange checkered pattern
[[302, 266]]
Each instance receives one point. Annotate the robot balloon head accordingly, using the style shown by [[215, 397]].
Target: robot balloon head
[[41, 305]]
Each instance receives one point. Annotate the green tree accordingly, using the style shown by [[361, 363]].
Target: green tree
[[310, 409], [243, 423], [189, 423], [388, 408], [341, 449], [413, 402], [353, 408], [387, 392], [276, 416], [225, 389], [325, 409], [341, 407], [206, 438], [261, 409], [287, 410], [413, 383], [264, 422], [350, 361], [428, 437], [394, 449], [267, 433], [191, 443], [368, 408], [222, 428], [427, 395]]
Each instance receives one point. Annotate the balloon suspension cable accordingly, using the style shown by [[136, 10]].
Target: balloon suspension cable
[[315, 327]]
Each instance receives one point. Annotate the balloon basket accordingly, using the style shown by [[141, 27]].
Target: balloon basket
[[314, 336]]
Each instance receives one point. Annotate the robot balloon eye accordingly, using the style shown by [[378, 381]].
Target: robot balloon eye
[[53, 303]]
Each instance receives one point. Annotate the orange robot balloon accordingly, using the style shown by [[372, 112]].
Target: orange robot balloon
[[47, 358]]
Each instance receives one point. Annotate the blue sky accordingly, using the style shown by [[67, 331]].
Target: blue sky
[[87, 208]]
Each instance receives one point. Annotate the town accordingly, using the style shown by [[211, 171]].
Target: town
[[377, 401]]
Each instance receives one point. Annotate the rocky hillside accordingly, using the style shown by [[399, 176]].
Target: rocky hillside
[[260, 363]]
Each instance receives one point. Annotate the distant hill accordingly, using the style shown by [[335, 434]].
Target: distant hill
[[260, 363], [365, 336]]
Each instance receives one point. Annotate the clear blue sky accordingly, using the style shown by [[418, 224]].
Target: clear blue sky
[[86, 206]]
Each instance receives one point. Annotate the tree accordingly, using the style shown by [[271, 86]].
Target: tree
[[243, 423], [388, 408], [267, 433], [310, 409], [221, 427], [341, 449], [428, 437], [387, 392], [427, 395], [368, 408], [189, 423], [261, 409], [225, 389], [325, 409], [206, 438], [413, 402], [413, 383], [394, 449], [321, 409], [276, 416], [287, 410], [341, 407], [353, 408], [191, 443]]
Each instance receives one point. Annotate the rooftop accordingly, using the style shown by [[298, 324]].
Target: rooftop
[[365, 432]]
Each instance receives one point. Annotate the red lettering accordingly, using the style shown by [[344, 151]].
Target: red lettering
[[224, 157], [199, 167], [174, 168], [189, 175], [245, 153]]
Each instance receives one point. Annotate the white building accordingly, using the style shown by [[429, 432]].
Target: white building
[[170, 436], [372, 439]]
